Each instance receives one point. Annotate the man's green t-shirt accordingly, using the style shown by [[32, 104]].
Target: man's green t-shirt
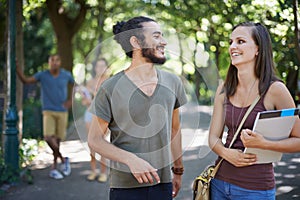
[[139, 123]]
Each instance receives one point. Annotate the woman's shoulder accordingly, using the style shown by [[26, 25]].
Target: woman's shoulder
[[278, 96], [220, 90], [220, 93], [277, 88]]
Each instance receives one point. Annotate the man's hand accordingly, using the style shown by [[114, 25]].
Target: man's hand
[[22, 77], [68, 104], [143, 171], [176, 185]]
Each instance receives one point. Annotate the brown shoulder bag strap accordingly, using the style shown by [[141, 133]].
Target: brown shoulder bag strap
[[236, 133]]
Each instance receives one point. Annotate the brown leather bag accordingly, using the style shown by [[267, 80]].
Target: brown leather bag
[[201, 184]]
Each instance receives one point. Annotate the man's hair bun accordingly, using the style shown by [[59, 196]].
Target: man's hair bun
[[117, 28], [123, 31]]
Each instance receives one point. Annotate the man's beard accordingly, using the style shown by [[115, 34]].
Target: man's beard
[[149, 54]]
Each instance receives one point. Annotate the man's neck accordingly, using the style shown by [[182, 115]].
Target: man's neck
[[141, 70], [54, 72], [144, 76]]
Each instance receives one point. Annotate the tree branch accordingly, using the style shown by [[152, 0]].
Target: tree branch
[[296, 31]]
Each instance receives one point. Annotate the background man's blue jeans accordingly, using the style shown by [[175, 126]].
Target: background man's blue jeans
[[221, 190], [156, 192]]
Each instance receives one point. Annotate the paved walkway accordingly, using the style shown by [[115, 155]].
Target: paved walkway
[[196, 156]]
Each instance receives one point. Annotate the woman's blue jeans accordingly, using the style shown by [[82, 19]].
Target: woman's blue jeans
[[162, 191], [221, 190]]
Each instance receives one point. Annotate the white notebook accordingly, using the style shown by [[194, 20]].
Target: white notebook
[[273, 125]]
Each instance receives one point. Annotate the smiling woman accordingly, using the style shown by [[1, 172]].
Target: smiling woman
[[250, 74], [242, 47]]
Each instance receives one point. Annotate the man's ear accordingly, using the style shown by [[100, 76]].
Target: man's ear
[[135, 42]]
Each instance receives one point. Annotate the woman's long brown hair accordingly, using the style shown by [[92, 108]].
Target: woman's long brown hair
[[264, 67]]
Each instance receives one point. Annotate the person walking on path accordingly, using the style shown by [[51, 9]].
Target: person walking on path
[[251, 73], [99, 75], [55, 104], [140, 106]]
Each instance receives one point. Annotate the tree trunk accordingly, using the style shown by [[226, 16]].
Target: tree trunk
[[65, 50], [65, 28], [292, 77], [20, 59], [296, 30]]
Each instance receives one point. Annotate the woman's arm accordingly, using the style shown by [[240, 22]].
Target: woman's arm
[[216, 128], [234, 156], [278, 97]]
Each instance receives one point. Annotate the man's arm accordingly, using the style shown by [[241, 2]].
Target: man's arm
[[141, 170], [68, 103], [176, 147], [23, 78]]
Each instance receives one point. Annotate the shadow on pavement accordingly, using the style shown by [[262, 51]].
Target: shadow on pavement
[[196, 157]]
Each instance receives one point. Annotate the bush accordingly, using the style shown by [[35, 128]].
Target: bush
[[32, 119], [8, 175]]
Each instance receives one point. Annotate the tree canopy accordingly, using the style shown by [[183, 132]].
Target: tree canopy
[[198, 31]]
